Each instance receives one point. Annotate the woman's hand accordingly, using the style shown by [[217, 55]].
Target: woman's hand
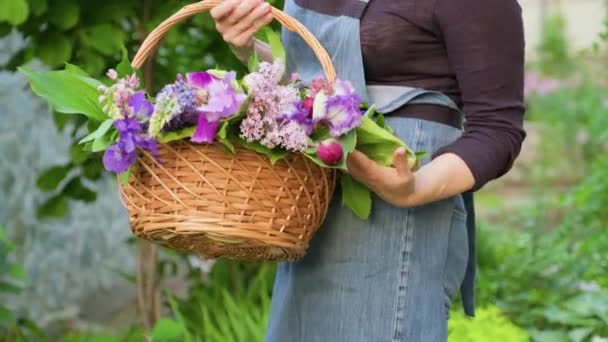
[[445, 176], [395, 185], [239, 20]]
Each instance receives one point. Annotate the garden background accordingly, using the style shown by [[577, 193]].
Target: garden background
[[69, 270]]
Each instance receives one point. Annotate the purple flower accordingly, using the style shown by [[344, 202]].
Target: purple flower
[[340, 112], [142, 108], [300, 113], [121, 155], [117, 159], [205, 130], [330, 152], [216, 99]]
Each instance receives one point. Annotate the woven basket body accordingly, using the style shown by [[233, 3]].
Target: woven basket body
[[200, 199]]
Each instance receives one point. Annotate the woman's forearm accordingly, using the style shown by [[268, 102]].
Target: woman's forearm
[[262, 49], [445, 176]]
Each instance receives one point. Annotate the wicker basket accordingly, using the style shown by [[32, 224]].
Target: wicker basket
[[200, 200]]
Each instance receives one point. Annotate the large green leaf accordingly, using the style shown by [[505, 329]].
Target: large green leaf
[[67, 92], [379, 144], [356, 196], [105, 38], [15, 12], [6, 316], [64, 14]]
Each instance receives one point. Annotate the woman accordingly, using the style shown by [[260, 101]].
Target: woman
[[424, 63]]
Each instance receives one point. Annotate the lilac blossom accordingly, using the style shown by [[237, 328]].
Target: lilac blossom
[[276, 116]]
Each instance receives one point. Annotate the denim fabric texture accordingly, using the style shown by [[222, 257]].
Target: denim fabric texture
[[391, 277]]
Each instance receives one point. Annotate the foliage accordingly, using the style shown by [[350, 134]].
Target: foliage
[[554, 51], [88, 35], [545, 282], [12, 281], [489, 324], [232, 305]]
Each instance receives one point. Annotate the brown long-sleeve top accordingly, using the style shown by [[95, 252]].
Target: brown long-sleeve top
[[471, 50]]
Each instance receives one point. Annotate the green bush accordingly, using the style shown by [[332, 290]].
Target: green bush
[[232, 305], [489, 324]]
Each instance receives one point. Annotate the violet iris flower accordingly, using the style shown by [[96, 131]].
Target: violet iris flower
[[142, 108], [339, 111], [122, 154], [217, 100]]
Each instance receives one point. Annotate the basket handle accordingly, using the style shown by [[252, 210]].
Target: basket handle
[[186, 12]]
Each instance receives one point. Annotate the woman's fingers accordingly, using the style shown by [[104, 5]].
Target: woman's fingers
[[249, 25], [244, 38], [239, 21], [400, 161], [242, 10], [220, 11]]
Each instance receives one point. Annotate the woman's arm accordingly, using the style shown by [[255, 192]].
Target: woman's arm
[[445, 176], [485, 45]]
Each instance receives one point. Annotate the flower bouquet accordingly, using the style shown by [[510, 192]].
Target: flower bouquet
[[223, 166]]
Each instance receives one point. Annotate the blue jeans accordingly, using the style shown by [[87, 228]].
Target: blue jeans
[[389, 278]]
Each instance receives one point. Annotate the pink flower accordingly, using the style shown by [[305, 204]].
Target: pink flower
[[330, 152]]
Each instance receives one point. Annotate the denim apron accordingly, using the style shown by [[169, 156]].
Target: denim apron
[[391, 277]]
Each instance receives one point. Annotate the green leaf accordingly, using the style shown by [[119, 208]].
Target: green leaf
[[356, 196], [167, 137], [9, 288], [64, 14], [99, 132], [254, 62], [38, 7], [76, 190], [92, 169], [105, 38], [274, 40], [167, 330], [67, 92], [51, 177], [55, 49], [103, 142], [54, 207], [78, 155], [17, 272], [84, 75], [225, 137], [124, 177], [273, 154], [379, 144], [124, 68], [6, 316], [15, 12]]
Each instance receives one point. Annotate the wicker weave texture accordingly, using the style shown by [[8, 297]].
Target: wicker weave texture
[[198, 198]]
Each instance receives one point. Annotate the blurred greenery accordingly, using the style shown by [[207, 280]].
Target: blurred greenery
[[542, 264], [83, 33]]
